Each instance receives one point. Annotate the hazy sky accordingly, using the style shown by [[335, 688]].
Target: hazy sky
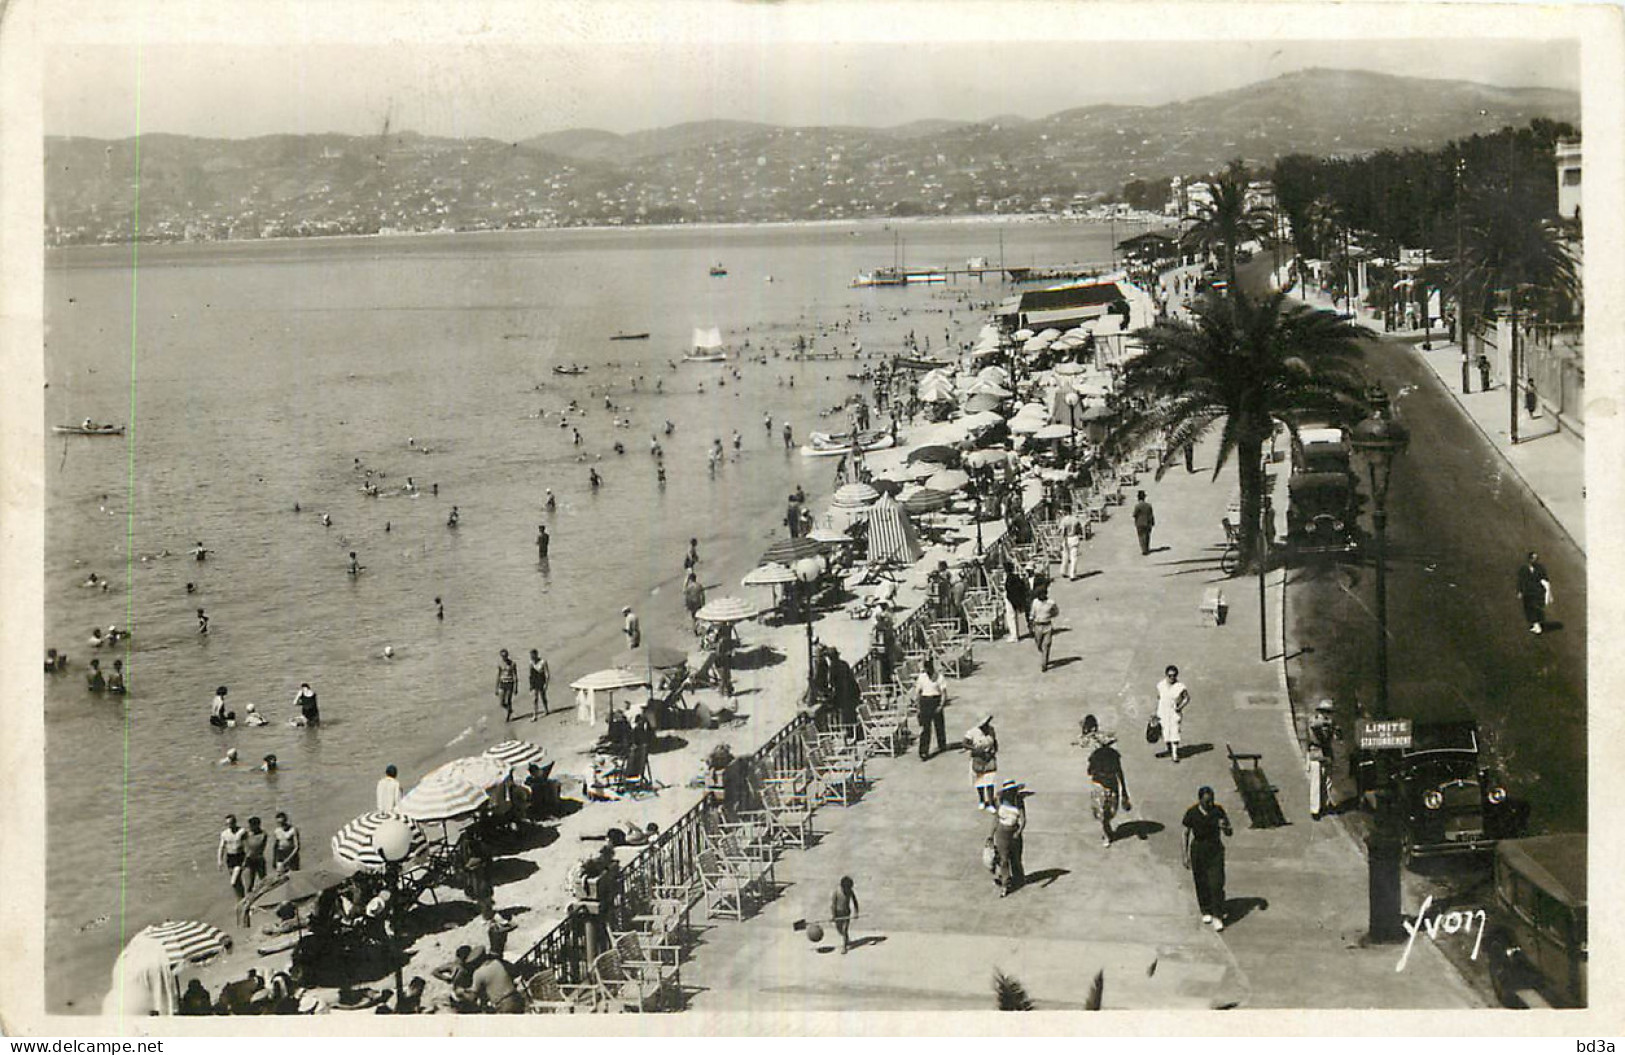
[[510, 70]]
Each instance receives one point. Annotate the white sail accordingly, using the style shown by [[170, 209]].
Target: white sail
[[707, 339]]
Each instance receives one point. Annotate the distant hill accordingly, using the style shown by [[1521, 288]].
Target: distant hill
[[741, 171]]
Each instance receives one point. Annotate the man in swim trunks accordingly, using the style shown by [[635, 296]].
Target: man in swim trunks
[[284, 846], [254, 855], [230, 854]]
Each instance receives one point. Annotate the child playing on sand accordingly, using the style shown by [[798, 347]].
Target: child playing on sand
[[843, 905]]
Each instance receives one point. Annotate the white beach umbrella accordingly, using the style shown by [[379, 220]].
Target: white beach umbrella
[[1053, 431], [854, 496], [726, 610], [614, 677], [1022, 334], [443, 798], [948, 480], [768, 575]]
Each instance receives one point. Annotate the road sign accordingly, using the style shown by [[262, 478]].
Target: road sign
[[1389, 733]]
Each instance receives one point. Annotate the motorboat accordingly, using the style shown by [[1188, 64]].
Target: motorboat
[[707, 347], [825, 445], [89, 428]]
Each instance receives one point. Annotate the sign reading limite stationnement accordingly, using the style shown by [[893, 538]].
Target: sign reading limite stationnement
[[1391, 732]]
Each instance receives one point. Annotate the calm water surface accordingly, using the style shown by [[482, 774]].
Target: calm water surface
[[260, 372]]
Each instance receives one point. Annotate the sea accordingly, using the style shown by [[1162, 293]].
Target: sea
[[260, 376]]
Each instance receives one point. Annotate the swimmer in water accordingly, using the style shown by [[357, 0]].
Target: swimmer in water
[[96, 638], [670, 428], [296, 507], [451, 521], [200, 553], [593, 479], [268, 765], [356, 567], [327, 521], [219, 717], [230, 759], [439, 610], [389, 651], [738, 440], [552, 503], [253, 718], [542, 542], [202, 622], [660, 475]]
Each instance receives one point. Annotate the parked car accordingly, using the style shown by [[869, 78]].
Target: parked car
[[1537, 938], [1450, 800], [1322, 503]]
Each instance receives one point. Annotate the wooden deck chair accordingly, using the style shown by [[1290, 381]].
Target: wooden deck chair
[[656, 963], [884, 731], [752, 857], [838, 780], [789, 814], [545, 994], [620, 989], [724, 892]]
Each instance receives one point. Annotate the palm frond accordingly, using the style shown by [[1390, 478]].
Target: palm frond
[[1011, 995]]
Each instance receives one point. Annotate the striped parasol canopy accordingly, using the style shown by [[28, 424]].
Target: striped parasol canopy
[[728, 610], [948, 480], [788, 550], [925, 500], [612, 678], [354, 848], [511, 753], [854, 496], [442, 798], [482, 771], [186, 941], [769, 575]]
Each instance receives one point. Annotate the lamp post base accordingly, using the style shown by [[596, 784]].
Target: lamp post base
[[1384, 851]]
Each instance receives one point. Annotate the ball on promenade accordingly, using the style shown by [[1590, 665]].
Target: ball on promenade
[[815, 933]]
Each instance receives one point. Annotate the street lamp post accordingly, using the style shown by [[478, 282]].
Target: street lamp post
[[808, 570], [393, 840], [1381, 439]]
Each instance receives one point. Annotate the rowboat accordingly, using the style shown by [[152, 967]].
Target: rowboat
[[629, 337], [569, 371], [92, 430], [717, 271], [820, 445]]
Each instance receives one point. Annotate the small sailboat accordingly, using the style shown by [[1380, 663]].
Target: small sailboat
[[717, 271], [707, 346]]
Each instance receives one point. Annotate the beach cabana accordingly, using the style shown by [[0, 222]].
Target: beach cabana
[[609, 681], [892, 538], [144, 982], [354, 846]]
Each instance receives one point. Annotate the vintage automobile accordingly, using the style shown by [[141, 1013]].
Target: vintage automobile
[[1537, 941], [1322, 502], [1450, 801]]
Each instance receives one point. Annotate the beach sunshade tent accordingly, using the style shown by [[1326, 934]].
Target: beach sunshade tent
[[982, 403], [1022, 334], [984, 387], [892, 538], [1053, 431], [948, 480], [355, 848], [511, 753], [789, 550], [143, 982], [769, 575], [482, 771], [936, 454], [854, 496], [443, 798], [925, 500], [979, 420], [936, 392], [723, 610], [649, 657], [186, 942]]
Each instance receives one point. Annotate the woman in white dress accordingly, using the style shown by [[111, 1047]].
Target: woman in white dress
[[1172, 698]]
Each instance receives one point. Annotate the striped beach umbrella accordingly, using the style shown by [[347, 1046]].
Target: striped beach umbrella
[[948, 480], [924, 500], [186, 942], [482, 771], [511, 753], [769, 575], [788, 550], [854, 496], [443, 798], [728, 610], [355, 849]]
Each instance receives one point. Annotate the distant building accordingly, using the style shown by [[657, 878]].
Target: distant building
[[1059, 306], [1568, 178]]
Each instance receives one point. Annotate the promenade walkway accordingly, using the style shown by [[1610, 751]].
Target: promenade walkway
[[1549, 459], [933, 928]]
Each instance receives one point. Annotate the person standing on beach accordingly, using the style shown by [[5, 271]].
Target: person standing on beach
[[630, 627], [310, 713], [1144, 520], [387, 795], [1206, 824], [1172, 699], [507, 683], [1009, 828], [1041, 619], [691, 561], [539, 677], [542, 542], [789, 436], [552, 503], [254, 855], [229, 853], [693, 599], [284, 846], [928, 691]]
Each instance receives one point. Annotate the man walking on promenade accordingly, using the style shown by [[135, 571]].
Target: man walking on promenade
[[1110, 786], [1042, 621], [1144, 520], [1206, 824], [1535, 591], [1016, 599], [1071, 545], [928, 689]]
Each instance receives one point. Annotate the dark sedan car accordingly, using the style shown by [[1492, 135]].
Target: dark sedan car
[[1450, 800]]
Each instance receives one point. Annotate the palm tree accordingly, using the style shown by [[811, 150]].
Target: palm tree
[[1507, 245], [1226, 222], [1248, 362]]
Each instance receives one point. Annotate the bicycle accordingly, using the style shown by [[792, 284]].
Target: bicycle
[[1230, 559]]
